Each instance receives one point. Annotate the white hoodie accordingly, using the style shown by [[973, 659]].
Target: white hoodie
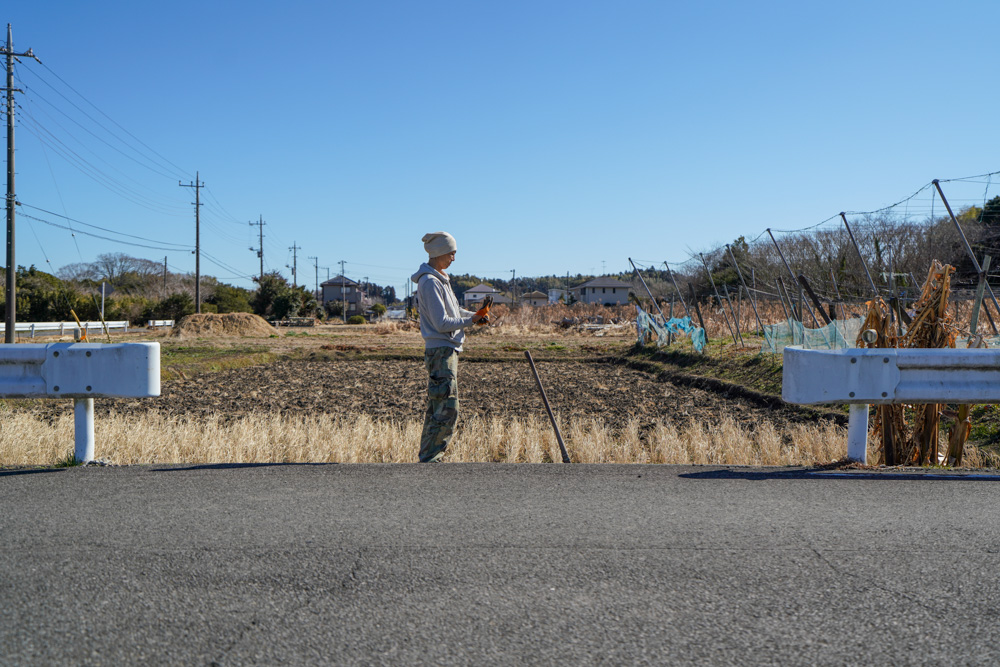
[[441, 318]]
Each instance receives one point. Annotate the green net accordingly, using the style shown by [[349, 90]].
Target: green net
[[837, 335]]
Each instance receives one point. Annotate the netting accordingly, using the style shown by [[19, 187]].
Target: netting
[[650, 328], [838, 335]]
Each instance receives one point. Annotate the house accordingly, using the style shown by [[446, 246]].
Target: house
[[475, 295], [606, 291], [535, 299], [346, 291]]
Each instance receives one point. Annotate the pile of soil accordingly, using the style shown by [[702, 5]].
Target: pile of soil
[[226, 324]]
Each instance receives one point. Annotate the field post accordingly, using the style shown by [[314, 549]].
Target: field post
[[642, 280], [792, 274], [670, 335], [744, 282], [980, 293], [697, 309], [717, 296], [871, 282]]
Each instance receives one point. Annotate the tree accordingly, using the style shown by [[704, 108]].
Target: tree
[[174, 307], [378, 309], [269, 287], [229, 299]]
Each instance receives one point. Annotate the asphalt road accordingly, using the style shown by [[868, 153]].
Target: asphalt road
[[495, 564]]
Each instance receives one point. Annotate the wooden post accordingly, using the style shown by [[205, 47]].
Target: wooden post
[[545, 400]]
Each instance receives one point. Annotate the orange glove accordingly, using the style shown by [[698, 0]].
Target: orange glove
[[484, 312]]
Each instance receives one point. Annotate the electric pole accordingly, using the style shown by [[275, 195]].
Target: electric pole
[[197, 185], [163, 294], [260, 247], [343, 289], [295, 263], [11, 291], [513, 273], [316, 265]]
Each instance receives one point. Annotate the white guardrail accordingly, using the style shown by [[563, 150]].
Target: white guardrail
[[62, 328], [862, 377], [83, 372]]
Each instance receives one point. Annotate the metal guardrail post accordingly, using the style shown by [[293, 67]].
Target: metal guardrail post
[[83, 423]]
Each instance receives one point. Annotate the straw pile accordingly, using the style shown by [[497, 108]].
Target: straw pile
[[932, 327], [226, 324]]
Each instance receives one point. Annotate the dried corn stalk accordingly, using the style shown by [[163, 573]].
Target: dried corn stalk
[[932, 327]]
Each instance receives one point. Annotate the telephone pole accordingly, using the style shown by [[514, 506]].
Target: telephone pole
[[295, 263], [11, 290], [316, 265], [343, 289], [197, 185], [260, 247]]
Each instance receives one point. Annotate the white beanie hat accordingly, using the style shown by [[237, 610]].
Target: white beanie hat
[[439, 243]]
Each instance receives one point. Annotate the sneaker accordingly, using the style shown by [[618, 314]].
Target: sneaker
[[437, 458]]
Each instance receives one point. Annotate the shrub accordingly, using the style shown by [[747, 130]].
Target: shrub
[[355, 319]]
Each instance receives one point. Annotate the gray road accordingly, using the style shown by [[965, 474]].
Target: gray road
[[484, 564]]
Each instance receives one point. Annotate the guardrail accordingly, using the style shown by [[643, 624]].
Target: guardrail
[[152, 324], [81, 371], [62, 328], [861, 377]]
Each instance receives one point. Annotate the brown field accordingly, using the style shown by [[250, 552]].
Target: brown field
[[356, 393]]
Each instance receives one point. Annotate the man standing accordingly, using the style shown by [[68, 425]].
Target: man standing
[[442, 322]]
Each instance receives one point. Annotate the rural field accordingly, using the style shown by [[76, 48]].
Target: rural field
[[342, 393]]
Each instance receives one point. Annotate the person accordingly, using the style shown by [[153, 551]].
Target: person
[[442, 325]]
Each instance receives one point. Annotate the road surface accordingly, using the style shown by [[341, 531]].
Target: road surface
[[495, 564]]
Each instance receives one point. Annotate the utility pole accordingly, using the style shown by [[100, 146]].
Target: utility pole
[[343, 289], [197, 185], [260, 247], [11, 291], [163, 294], [316, 264], [513, 294], [295, 264]]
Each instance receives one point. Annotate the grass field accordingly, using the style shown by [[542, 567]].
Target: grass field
[[615, 402]]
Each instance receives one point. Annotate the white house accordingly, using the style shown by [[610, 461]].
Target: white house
[[606, 291], [474, 296], [535, 299]]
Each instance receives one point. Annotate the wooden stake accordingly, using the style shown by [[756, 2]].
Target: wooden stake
[[545, 400]]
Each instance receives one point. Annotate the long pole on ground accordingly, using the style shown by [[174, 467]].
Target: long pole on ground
[[744, 282], [548, 409], [965, 242], [717, 296], [871, 282], [646, 287]]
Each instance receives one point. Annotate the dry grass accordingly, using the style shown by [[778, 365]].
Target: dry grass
[[26, 440]]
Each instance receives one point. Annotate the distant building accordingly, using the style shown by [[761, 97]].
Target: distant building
[[346, 291], [474, 296], [535, 299], [606, 291], [556, 294]]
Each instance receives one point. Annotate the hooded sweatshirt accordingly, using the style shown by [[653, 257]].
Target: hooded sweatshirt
[[441, 318]]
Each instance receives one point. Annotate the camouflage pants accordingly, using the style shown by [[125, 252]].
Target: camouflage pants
[[442, 402]]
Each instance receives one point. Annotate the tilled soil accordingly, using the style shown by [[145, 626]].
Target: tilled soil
[[395, 389]]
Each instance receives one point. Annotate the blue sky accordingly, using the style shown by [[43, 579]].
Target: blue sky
[[548, 137]]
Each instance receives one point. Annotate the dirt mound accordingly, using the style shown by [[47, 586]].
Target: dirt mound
[[227, 324]]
